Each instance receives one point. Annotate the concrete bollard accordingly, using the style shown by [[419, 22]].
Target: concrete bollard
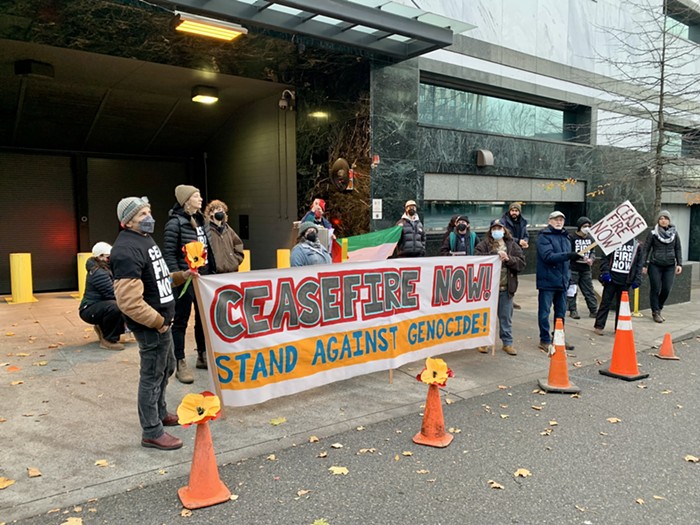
[[21, 278], [284, 258], [343, 250], [82, 273], [245, 265]]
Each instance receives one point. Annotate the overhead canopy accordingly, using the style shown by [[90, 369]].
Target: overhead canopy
[[382, 27]]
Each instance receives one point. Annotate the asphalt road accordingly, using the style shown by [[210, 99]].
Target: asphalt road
[[614, 455]]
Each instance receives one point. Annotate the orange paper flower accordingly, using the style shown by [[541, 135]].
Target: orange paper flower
[[435, 372], [198, 408], [195, 255]]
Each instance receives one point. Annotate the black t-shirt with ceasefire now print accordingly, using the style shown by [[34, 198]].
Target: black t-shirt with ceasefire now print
[[137, 256]]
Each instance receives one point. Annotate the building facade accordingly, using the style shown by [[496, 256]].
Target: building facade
[[461, 106]]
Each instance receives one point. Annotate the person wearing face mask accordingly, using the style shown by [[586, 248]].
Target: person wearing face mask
[[663, 260], [461, 240], [553, 275], [581, 269], [412, 241], [225, 243], [186, 224], [142, 287], [498, 241], [308, 250], [99, 306]]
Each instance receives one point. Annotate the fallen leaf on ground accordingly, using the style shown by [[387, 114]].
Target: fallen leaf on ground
[[522, 473], [73, 521], [503, 387], [337, 445], [52, 345], [186, 513], [102, 463], [546, 432], [613, 420], [233, 497], [9, 334], [6, 482], [641, 386], [536, 407], [2, 419], [338, 470], [22, 354], [454, 430], [579, 507], [278, 421], [40, 363], [13, 368], [322, 454], [658, 497], [406, 453], [15, 383], [367, 451], [504, 416], [320, 522], [576, 396], [667, 391], [640, 501], [448, 401], [494, 485], [397, 457], [313, 439], [553, 423], [33, 472], [578, 364], [162, 472], [302, 492], [691, 459], [422, 471], [360, 428], [271, 457]]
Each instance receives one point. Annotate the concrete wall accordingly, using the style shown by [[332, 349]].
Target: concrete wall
[[251, 167]]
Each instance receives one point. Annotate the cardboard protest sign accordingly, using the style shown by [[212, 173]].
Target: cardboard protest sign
[[618, 227], [272, 333]]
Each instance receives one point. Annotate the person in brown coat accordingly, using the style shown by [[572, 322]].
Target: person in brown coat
[[224, 241], [498, 241]]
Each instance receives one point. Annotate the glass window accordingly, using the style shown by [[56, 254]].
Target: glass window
[[437, 214], [681, 144], [453, 108]]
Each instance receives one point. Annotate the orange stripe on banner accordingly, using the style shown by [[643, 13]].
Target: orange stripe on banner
[[303, 358]]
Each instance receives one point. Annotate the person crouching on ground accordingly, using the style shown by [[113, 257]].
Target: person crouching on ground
[[620, 271], [498, 241], [99, 306], [308, 250], [142, 286]]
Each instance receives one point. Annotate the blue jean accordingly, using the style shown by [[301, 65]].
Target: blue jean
[[545, 299], [157, 365], [505, 317]]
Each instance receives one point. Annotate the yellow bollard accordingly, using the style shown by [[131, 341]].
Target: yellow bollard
[[344, 250], [283, 258], [21, 278], [636, 313], [82, 274], [245, 264]]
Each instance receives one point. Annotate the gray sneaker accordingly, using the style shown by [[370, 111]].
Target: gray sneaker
[[183, 374]]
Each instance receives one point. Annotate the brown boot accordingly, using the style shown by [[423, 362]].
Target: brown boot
[[508, 349], [183, 374], [164, 442], [483, 349]]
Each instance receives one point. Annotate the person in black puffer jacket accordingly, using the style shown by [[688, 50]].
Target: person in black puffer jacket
[[99, 306], [663, 260], [186, 224]]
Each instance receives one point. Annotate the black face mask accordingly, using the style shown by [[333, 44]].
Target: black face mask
[[219, 215], [311, 237], [462, 228]]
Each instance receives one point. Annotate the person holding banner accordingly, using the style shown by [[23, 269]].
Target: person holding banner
[[309, 250], [663, 260], [498, 241], [620, 271], [142, 286], [553, 275]]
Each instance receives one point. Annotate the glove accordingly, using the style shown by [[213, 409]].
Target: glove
[[635, 285], [574, 256], [605, 278]]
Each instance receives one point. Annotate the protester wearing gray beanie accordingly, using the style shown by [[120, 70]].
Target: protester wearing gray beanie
[[130, 206]]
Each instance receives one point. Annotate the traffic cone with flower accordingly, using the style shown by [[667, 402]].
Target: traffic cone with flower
[[432, 432]]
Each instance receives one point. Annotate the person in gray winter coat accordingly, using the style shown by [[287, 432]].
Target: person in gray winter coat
[[309, 250], [412, 241]]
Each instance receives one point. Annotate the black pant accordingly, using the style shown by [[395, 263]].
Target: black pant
[[183, 309], [660, 282], [106, 315], [611, 292], [585, 284]]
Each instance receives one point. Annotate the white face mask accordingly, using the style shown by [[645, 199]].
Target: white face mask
[[497, 234], [586, 230]]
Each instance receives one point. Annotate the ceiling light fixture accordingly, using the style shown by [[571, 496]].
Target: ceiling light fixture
[[205, 94], [201, 25]]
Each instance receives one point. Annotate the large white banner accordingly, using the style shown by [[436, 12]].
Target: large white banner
[[618, 227], [272, 333]]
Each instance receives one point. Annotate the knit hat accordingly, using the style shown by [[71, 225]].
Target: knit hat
[[581, 221], [305, 226], [320, 202], [515, 205], [663, 213], [130, 206], [101, 248], [183, 192]]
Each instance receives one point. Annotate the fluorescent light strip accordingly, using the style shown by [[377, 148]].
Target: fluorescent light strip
[[197, 28]]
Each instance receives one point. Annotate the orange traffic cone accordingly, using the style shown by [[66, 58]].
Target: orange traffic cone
[[623, 364], [666, 350], [432, 431], [558, 380], [205, 488]]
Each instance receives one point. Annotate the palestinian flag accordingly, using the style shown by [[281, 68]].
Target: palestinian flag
[[374, 246]]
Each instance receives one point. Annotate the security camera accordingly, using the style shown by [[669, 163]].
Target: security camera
[[286, 102]]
